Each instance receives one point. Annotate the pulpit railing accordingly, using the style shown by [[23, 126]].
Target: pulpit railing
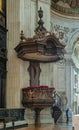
[[38, 98]]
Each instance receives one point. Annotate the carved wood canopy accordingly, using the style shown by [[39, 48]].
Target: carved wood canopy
[[47, 49], [43, 47]]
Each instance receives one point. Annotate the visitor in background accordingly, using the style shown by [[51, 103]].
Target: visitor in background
[[67, 116]]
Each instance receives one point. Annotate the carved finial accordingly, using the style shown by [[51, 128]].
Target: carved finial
[[22, 35], [40, 13], [40, 29]]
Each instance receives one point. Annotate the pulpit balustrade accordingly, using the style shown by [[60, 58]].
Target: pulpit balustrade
[[38, 98]]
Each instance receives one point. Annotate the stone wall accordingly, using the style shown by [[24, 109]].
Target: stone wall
[[22, 15]]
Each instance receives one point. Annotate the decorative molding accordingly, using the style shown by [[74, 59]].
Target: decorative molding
[[60, 32], [34, 0], [66, 11], [75, 53], [45, 1]]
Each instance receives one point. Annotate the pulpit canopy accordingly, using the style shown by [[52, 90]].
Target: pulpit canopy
[[42, 47]]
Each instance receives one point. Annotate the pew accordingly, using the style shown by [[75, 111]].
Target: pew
[[11, 115]]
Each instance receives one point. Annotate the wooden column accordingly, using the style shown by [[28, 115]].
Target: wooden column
[[37, 117], [34, 71]]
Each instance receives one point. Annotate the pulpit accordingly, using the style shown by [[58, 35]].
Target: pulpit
[[38, 98], [43, 47]]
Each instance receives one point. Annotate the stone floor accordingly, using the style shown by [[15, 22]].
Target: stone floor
[[48, 127]]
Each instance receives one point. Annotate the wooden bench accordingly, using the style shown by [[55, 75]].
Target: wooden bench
[[11, 115]]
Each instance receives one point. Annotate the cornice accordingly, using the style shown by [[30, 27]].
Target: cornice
[[64, 16]]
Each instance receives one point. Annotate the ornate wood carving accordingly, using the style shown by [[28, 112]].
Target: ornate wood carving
[[43, 47], [38, 98], [34, 71]]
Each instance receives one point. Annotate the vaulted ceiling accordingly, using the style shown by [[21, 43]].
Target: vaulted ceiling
[[67, 7]]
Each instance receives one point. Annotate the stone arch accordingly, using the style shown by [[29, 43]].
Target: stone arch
[[74, 48], [72, 39]]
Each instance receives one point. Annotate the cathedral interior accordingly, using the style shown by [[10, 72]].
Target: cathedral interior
[[39, 60]]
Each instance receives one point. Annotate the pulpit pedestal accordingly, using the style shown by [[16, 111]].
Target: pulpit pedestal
[[37, 116]]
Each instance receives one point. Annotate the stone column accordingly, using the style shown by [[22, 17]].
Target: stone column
[[68, 81], [25, 17], [13, 63], [72, 84], [18, 18]]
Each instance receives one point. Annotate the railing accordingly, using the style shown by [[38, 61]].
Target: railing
[[65, 11], [39, 93]]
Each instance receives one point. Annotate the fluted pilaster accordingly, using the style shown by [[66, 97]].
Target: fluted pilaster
[[13, 67]]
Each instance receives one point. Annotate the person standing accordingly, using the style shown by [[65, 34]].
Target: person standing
[[67, 115], [56, 113]]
